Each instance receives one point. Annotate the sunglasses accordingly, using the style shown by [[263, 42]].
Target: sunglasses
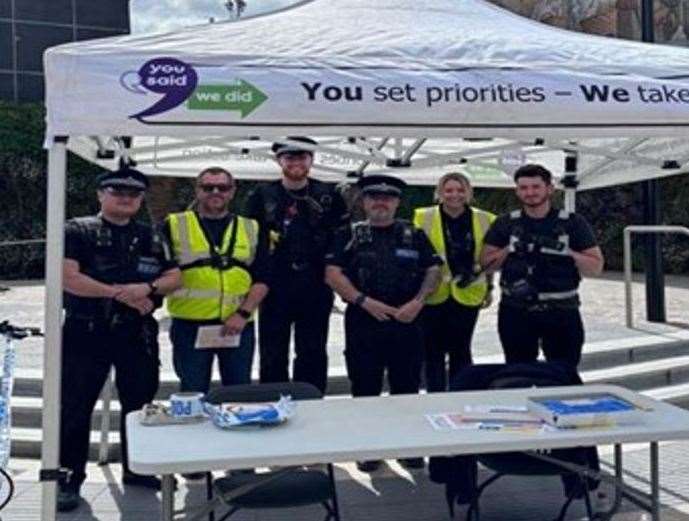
[[123, 192], [209, 189]]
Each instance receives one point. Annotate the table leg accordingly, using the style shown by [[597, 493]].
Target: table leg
[[167, 497], [618, 487], [619, 477], [655, 482]]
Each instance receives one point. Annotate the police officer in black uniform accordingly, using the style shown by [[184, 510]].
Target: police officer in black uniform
[[384, 268], [543, 252], [115, 271], [300, 215]]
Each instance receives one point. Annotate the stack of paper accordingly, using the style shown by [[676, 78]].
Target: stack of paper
[[584, 410]]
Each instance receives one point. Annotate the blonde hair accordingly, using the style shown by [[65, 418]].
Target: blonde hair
[[461, 178]]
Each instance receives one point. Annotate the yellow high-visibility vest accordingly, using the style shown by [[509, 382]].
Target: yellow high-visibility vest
[[429, 220], [210, 292]]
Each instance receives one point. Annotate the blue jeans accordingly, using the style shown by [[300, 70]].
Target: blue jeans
[[193, 366]]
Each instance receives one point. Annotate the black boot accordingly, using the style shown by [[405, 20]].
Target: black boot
[[68, 497]]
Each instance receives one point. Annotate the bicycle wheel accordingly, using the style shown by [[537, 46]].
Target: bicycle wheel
[[6, 488]]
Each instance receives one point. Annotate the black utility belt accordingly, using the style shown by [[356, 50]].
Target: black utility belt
[[547, 305], [115, 320]]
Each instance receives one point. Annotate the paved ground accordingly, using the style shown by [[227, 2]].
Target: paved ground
[[391, 493]]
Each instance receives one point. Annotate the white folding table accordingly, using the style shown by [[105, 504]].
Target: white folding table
[[343, 430]]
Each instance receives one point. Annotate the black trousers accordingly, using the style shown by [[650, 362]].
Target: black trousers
[[89, 350], [372, 347], [305, 303], [447, 332], [558, 332]]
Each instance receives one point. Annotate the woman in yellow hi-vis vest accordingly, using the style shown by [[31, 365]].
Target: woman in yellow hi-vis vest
[[456, 231], [224, 278]]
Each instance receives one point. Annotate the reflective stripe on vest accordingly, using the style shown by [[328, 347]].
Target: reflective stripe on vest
[[429, 220], [208, 292]]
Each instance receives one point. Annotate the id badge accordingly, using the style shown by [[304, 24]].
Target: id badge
[[208, 337]]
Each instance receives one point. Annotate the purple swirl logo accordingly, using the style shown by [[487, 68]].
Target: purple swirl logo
[[171, 77]]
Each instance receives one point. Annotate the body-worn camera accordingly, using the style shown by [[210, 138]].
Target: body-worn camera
[[534, 244], [550, 243], [523, 290], [464, 279]]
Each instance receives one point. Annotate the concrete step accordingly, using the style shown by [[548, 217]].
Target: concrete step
[[29, 383], [643, 375], [26, 413], [675, 394], [26, 443], [597, 355]]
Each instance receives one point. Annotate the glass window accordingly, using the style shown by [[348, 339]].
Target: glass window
[[57, 11], [5, 45], [33, 40], [6, 86], [89, 34], [31, 87], [113, 13]]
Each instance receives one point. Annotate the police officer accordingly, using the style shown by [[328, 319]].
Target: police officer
[[224, 278], [456, 231], [385, 269], [115, 271], [543, 252], [300, 215]]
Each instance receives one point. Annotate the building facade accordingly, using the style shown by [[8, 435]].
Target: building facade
[[29, 27]]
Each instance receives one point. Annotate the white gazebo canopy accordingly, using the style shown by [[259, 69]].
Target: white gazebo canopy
[[398, 85]]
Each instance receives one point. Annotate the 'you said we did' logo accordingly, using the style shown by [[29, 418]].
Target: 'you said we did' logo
[[177, 82], [240, 96], [172, 78]]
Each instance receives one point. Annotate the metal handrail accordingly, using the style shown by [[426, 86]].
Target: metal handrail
[[627, 248], [19, 243]]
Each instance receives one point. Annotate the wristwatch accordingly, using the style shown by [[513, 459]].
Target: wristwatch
[[359, 301], [246, 315], [153, 287]]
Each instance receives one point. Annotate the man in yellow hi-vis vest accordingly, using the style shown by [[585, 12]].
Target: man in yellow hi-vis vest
[[224, 278], [456, 231]]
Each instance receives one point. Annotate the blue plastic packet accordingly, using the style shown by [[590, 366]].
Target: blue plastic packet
[[233, 415]]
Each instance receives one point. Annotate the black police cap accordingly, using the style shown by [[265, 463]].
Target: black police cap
[[381, 184], [284, 148], [125, 177]]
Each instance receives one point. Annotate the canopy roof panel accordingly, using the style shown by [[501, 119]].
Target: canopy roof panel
[[454, 68], [454, 84]]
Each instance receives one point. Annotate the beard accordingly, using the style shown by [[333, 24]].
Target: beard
[[296, 173], [534, 202]]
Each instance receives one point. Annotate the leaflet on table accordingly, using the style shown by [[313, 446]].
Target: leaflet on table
[[584, 410], [486, 417]]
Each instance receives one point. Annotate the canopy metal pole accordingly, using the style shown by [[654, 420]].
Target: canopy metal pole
[[571, 199], [655, 280], [52, 355], [570, 181]]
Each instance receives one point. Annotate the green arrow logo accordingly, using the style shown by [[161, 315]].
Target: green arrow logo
[[242, 96]]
